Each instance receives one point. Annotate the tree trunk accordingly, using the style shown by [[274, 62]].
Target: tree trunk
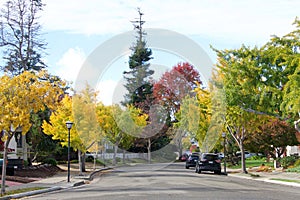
[[115, 154], [149, 150], [3, 176], [83, 162], [243, 160], [297, 124], [124, 152], [95, 158], [179, 143], [79, 163]]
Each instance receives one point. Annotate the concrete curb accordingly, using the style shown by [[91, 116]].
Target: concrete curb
[[91, 177], [266, 180], [35, 192], [55, 188]]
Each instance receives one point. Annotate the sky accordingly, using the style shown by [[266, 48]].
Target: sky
[[75, 29]]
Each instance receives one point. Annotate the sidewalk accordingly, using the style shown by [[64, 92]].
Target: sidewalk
[[54, 183], [277, 177]]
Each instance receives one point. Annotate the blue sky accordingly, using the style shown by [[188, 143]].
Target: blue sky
[[74, 28]]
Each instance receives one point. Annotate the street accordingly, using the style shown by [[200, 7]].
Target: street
[[173, 181]]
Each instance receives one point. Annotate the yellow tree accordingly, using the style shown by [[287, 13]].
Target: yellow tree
[[204, 109], [88, 129], [20, 96], [119, 126], [195, 117], [57, 125], [79, 109], [106, 119]]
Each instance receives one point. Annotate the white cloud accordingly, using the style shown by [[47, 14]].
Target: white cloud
[[106, 91], [70, 63], [224, 20]]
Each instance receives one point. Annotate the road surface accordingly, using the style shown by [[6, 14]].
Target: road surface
[[173, 181]]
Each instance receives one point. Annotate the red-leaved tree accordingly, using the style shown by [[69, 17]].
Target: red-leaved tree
[[174, 85], [273, 137]]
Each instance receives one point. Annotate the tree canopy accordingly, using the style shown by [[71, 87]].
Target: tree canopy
[[20, 36], [20, 96]]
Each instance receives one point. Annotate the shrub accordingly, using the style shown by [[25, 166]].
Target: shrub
[[25, 162], [287, 161], [297, 163], [101, 162], [89, 159], [295, 169], [264, 168], [50, 161], [256, 157]]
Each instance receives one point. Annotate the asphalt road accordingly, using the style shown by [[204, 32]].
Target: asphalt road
[[161, 181]]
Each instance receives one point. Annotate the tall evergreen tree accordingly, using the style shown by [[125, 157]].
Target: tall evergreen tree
[[138, 78]]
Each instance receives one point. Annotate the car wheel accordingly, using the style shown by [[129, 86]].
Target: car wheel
[[199, 171], [217, 172], [187, 167]]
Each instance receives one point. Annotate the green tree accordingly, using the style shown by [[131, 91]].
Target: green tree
[[240, 125], [246, 94], [40, 145], [290, 60]]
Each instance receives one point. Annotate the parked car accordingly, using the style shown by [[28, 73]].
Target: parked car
[[90, 156], [247, 154], [11, 165], [191, 161], [208, 162], [184, 157], [221, 155]]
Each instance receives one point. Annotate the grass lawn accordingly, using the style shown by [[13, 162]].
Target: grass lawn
[[22, 190], [252, 163]]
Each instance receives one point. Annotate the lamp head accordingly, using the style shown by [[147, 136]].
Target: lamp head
[[69, 124]]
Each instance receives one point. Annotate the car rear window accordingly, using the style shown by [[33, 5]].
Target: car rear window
[[211, 157], [194, 157]]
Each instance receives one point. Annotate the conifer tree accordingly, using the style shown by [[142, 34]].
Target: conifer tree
[[138, 78]]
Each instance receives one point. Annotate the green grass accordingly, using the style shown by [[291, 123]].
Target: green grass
[[252, 163], [22, 190], [286, 180], [294, 169]]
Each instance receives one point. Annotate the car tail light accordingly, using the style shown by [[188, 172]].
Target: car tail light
[[218, 161], [203, 160]]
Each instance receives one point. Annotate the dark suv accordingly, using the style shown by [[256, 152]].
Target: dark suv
[[191, 161], [209, 162]]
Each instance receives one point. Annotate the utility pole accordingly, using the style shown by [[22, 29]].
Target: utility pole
[[138, 25]]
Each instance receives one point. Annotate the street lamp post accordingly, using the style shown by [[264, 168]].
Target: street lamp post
[[69, 126], [224, 136]]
